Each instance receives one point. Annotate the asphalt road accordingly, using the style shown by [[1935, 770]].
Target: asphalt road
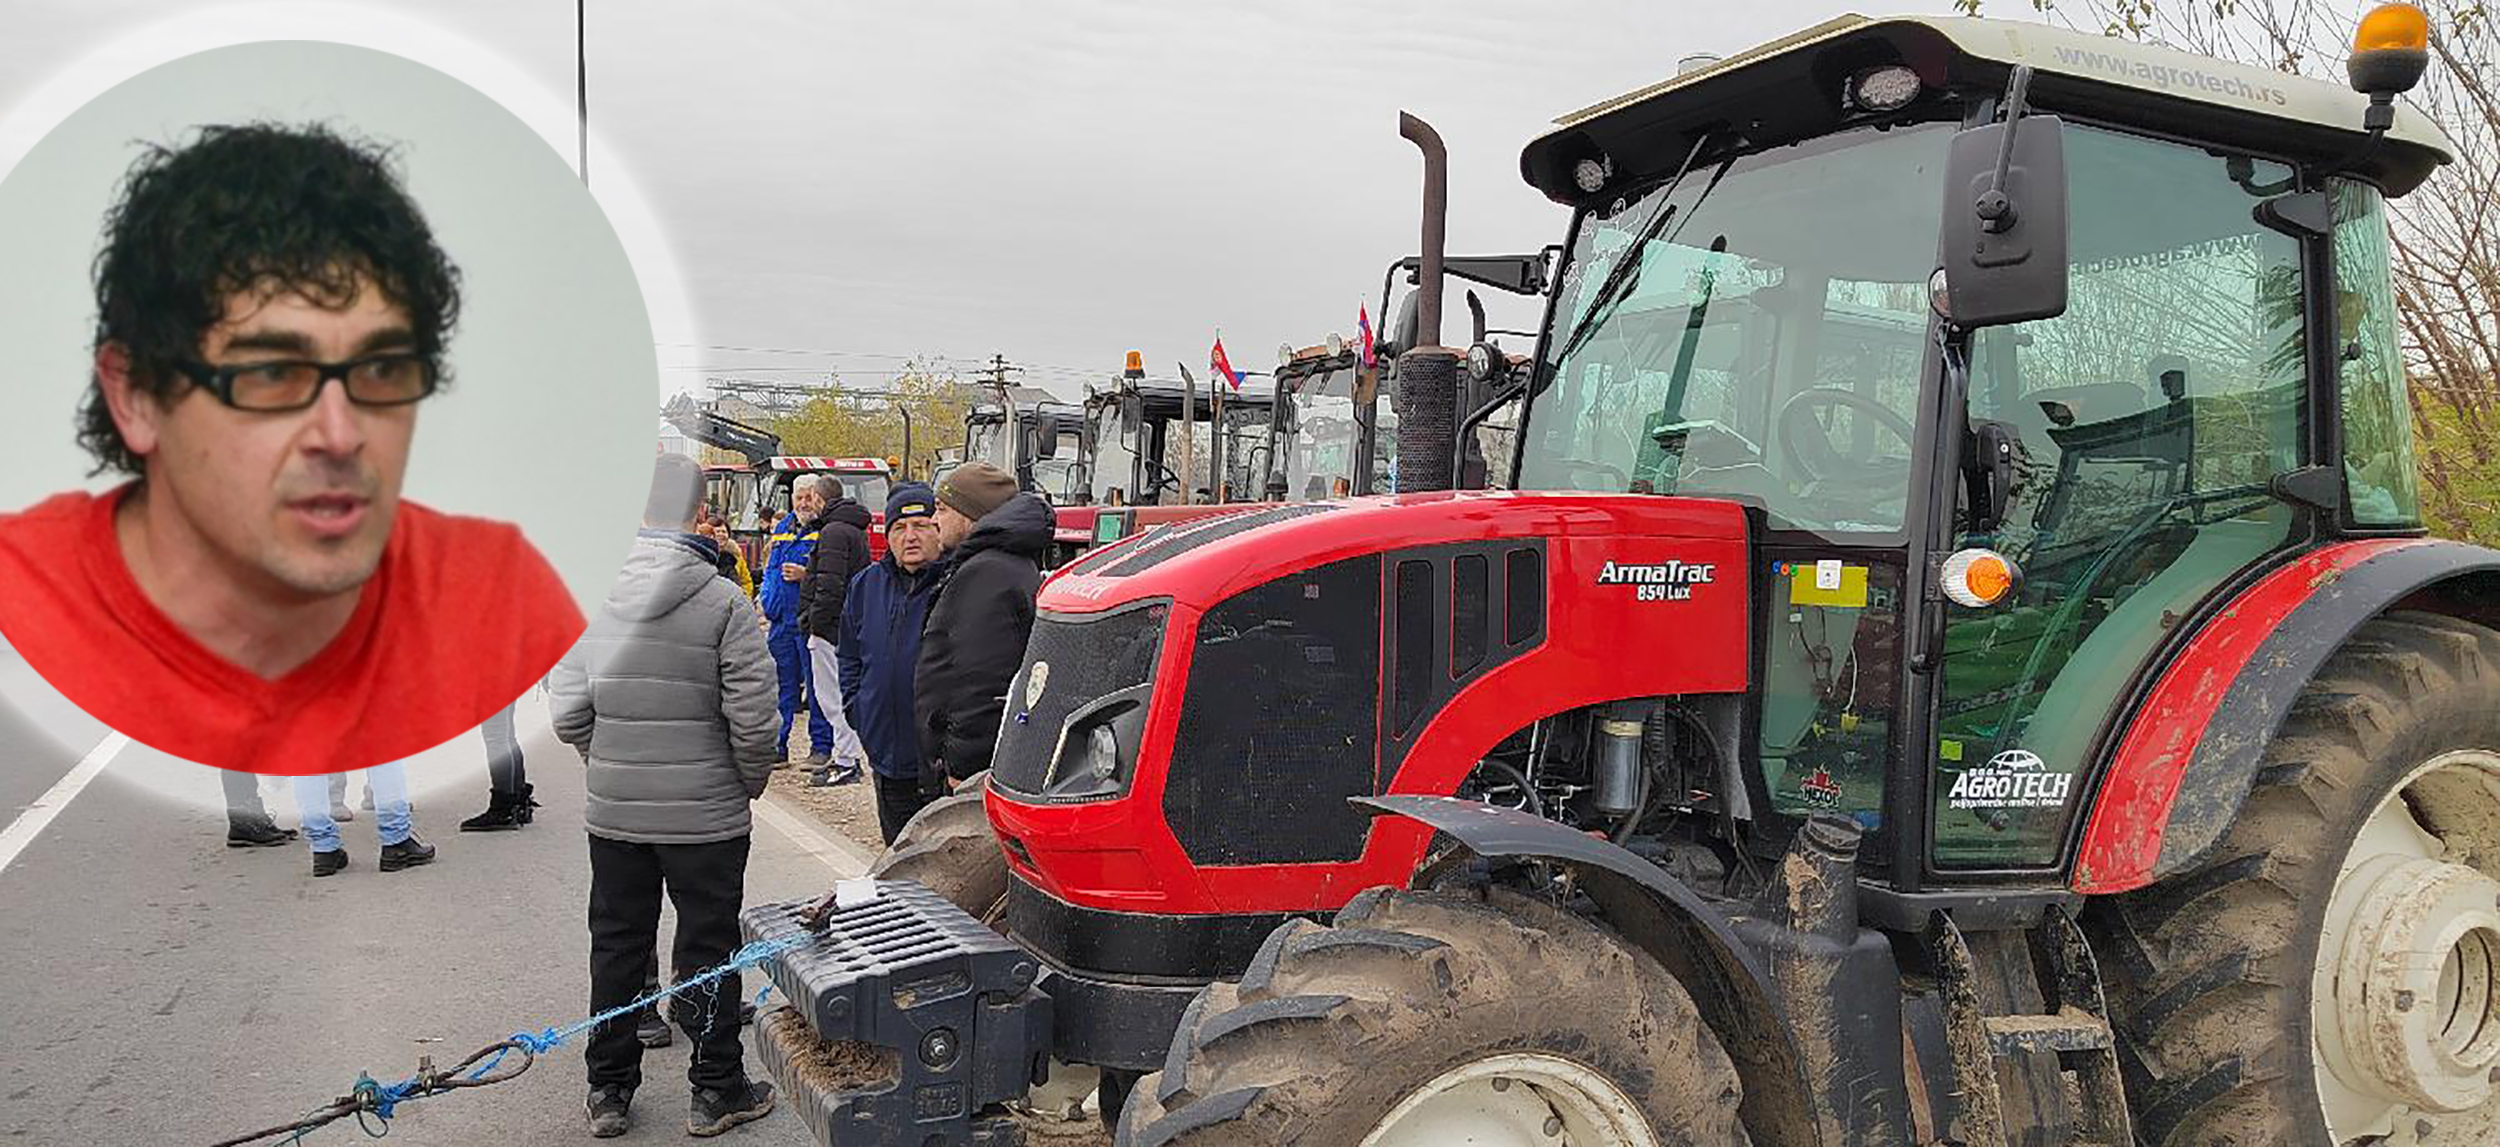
[[170, 990]]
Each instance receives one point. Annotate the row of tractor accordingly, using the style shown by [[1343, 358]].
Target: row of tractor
[[1936, 645]]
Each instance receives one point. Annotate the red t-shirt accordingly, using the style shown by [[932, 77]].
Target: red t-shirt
[[460, 617]]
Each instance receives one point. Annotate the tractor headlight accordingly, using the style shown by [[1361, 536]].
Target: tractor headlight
[[1480, 362], [1098, 748], [1102, 753], [1592, 173], [1885, 89]]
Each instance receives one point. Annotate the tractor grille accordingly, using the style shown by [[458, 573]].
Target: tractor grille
[[1089, 656], [1281, 722]]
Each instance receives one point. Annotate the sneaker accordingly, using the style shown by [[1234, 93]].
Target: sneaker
[[829, 776], [341, 813], [256, 832], [714, 1111], [610, 1111], [408, 853], [652, 1030], [818, 760], [329, 863]]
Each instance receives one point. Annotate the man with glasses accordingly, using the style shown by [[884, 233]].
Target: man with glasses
[[271, 309]]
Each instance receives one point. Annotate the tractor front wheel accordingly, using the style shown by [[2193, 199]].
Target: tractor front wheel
[[1424, 1019], [950, 849], [2332, 975]]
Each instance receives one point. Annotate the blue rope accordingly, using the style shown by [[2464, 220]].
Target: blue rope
[[383, 1099], [547, 1039]]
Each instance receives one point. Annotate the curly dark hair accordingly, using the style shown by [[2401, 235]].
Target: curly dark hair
[[253, 206]]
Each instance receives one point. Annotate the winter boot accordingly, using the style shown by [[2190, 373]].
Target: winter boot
[[504, 812]]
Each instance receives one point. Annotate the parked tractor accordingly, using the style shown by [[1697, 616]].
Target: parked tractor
[[750, 498], [1332, 435], [1957, 661]]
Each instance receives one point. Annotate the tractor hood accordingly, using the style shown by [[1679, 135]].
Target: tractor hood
[[1204, 700], [1199, 563]]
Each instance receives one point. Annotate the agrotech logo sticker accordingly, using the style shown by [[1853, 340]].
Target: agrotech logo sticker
[[2015, 778]]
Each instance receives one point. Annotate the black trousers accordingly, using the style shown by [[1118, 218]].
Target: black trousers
[[705, 882], [899, 799]]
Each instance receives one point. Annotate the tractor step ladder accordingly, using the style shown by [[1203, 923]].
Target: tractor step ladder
[[2076, 1030]]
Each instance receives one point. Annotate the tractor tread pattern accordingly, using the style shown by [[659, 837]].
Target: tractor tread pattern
[[2210, 968], [1334, 1025], [950, 848]]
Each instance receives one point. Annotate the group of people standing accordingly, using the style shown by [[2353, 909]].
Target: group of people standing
[[681, 697]]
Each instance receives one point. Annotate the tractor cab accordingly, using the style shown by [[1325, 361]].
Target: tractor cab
[[1153, 442], [1323, 441], [1043, 448], [1756, 312]]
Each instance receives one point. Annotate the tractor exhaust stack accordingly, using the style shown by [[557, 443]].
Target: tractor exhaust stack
[[1427, 390]]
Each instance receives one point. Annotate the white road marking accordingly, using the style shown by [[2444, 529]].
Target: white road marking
[[21, 832], [843, 857]]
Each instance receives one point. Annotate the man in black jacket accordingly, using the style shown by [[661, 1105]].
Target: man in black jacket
[[841, 552], [975, 638]]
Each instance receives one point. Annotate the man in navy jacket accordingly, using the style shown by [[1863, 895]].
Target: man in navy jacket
[[880, 647]]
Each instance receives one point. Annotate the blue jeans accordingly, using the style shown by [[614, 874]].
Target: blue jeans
[[390, 806], [789, 645]]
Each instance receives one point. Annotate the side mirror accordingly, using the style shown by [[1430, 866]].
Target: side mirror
[[1992, 458], [2005, 223], [1045, 442]]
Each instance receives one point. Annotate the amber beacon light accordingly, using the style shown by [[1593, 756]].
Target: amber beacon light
[[2389, 51]]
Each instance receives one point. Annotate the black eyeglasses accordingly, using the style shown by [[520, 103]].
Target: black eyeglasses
[[394, 379]]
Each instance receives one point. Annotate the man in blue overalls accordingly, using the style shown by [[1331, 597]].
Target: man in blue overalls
[[785, 563]]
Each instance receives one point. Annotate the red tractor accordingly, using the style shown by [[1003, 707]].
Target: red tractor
[[1958, 663]]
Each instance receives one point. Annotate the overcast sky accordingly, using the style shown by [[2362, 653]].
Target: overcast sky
[[1054, 182]]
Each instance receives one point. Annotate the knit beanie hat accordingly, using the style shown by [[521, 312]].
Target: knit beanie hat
[[910, 500], [976, 488]]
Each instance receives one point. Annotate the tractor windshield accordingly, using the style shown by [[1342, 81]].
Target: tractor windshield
[[1766, 343], [986, 441], [1317, 458], [1112, 469]]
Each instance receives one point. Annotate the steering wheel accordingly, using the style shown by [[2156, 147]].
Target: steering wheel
[[1809, 442], [1576, 469]]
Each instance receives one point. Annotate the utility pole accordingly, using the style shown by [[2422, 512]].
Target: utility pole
[[1014, 427], [581, 84]]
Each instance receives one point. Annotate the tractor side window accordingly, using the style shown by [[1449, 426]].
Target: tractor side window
[[1829, 650], [2152, 414], [2379, 479]]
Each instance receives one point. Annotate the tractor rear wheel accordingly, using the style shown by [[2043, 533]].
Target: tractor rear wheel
[[1425, 1019], [949, 848], [2332, 975]]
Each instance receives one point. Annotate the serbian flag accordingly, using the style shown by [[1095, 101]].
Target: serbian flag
[[1222, 366], [1363, 324]]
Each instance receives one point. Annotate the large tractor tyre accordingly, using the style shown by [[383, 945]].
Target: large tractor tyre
[[949, 848], [1426, 1019], [2332, 975]]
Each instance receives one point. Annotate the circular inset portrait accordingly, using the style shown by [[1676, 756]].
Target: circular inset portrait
[[332, 397]]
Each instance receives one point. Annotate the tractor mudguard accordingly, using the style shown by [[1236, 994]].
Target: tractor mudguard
[[1666, 918], [2188, 758]]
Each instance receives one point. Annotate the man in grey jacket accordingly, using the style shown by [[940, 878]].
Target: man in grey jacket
[[671, 697]]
